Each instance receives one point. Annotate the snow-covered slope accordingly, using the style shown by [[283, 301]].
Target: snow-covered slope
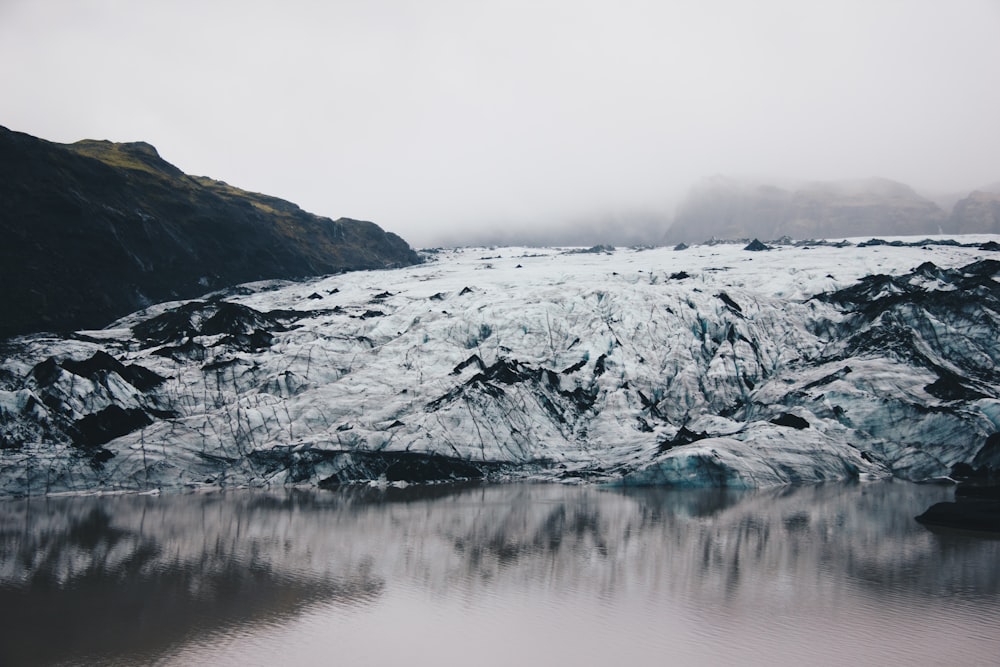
[[708, 366]]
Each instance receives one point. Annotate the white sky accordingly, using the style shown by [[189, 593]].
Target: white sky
[[438, 119]]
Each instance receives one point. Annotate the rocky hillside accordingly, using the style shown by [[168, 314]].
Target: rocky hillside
[[729, 209], [95, 230], [977, 213]]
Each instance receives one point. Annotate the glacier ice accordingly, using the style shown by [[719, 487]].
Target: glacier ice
[[712, 366]]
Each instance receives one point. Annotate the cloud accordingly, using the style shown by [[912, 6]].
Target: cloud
[[436, 116]]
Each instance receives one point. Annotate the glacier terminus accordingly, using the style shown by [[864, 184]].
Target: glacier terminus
[[711, 365]]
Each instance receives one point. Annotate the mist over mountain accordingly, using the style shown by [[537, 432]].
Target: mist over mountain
[[723, 207], [624, 227], [94, 230], [979, 212]]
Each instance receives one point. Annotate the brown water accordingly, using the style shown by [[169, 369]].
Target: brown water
[[496, 575]]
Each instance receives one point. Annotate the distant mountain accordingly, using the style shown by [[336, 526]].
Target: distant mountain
[[977, 213], [95, 230], [630, 226], [726, 208]]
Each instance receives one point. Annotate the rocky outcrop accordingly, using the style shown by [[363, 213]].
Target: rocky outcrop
[[728, 209], [94, 230]]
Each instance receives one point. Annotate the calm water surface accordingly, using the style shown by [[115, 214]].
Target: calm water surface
[[496, 575]]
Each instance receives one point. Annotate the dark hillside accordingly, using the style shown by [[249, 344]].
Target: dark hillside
[[94, 230]]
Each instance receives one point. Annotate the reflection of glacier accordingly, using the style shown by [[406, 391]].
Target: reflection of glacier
[[138, 574], [711, 366], [80, 577]]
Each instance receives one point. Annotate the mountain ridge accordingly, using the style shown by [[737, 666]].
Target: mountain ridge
[[722, 207], [94, 230]]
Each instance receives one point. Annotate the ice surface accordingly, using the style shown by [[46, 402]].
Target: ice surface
[[528, 362]]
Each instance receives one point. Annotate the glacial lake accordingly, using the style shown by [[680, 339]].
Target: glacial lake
[[520, 574]]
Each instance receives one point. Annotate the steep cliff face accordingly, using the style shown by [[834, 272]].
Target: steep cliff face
[[711, 366], [94, 230], [729, 209], [979, 213]]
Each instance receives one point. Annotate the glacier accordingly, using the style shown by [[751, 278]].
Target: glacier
[[708, 366]]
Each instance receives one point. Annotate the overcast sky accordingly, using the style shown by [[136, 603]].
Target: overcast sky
[[438, 118]]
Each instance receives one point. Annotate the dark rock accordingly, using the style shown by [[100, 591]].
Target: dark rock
[[599, 365], [756, 246], [875, 294], [173, 325], [354, 467], [110, 423], [881, 242], [473, 360], [790, 420], [236, 319], [989, 455], [732, 305], [593, 250], [964, 471], [989, 491], [950, 387], [255, 341], [684, 436], [575, 367], [189, 350], [101, 363], [975, 515], [46, 372], [544, 383], [419, 468], [679, 275], [681, 246], [505, 371], [97, 368], [827, 379], [100, 457], [244, 328]]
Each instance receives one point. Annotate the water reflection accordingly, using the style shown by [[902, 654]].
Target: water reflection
[[139, 579]]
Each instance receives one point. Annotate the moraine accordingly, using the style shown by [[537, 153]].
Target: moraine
[[708, 366]]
